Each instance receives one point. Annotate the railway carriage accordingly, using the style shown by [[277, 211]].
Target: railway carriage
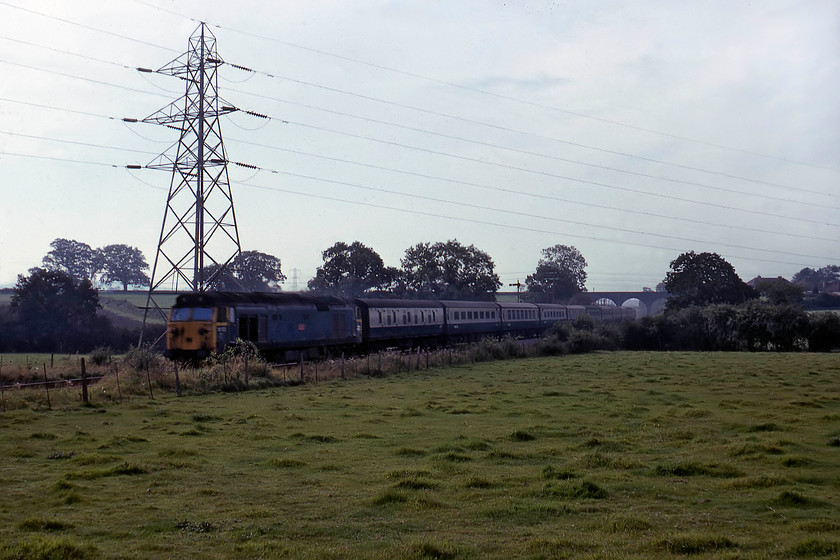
[[551, 313], [386, 320], [520, 318], [471, 320]]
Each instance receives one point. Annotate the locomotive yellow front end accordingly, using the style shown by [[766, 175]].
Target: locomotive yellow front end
[[191, 332]]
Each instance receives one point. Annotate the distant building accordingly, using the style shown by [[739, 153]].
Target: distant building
[[758, 281]]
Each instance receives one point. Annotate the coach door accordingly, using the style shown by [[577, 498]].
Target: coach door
[[253, 327], [339, 328]]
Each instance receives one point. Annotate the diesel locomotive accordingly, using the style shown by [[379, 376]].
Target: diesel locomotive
[[286, 326]]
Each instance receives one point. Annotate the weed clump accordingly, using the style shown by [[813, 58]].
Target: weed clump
[[550, 473], [38, 547], [522, 435], [40, 524], [689, 544], [583, 490], [814, 548], [435, 551], [789, 498], [698, 469]]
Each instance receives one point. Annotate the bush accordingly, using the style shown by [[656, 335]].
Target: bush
[[144, 359], [825, 332], [101, 355]]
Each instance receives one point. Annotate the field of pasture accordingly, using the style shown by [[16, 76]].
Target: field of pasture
[[607, 455]]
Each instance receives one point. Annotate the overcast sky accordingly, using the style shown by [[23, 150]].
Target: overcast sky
[[634, 131]]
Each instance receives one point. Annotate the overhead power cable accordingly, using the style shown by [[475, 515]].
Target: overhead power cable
[[75, 77], [516, 131], [84, 26], [555, 157], [529, 215], [494, 94], [535, 172], [463, 219], [520, 192]]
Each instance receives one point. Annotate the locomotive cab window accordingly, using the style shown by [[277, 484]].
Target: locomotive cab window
[[181, 314]]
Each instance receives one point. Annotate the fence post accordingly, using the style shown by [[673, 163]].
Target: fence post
[[117, 375], [342, 365], [46, 386], [301, 366], [52, 360], [149, 379], [246, 370], [84, 383], [177, 379], [417, 367]]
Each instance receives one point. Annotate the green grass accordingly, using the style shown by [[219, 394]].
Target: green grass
[[625, 455]]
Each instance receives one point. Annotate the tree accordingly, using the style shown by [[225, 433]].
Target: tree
[[73, 257], [449, 271], [258, 271], [779, 290], [704, 279], [124, 265], [54, 311], [817, 280], [560, 274], [250, 271], [351, 270]]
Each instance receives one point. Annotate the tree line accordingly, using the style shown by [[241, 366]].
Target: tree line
[[54, 308]]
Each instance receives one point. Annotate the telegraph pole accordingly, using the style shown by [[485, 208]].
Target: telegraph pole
[[199, 238]]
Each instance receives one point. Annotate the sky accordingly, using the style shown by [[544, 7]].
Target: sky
[[633, 131]]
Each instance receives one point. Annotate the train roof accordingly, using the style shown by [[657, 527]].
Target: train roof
[[213, 299], [402, 303]]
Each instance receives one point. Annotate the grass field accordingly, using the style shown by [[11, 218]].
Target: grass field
[[625, 455]]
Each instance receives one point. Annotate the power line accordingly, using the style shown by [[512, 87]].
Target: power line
[[532, 216], [501, 189], [84, 26], [76, 77], [536, 195], [541, 173], [508, 129], [554, 157], [769, 183], [469, 220], [498, 225], [497, 95]]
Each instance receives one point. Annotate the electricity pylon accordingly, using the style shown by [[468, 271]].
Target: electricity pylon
[[199, 238]]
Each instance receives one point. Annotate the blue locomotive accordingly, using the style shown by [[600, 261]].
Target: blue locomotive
[[293, 325]]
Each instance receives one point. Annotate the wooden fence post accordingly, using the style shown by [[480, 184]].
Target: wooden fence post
[[149, 379], [246, 370], [177, 379], [46, 386], [84, 383], [301, 367], [117, 375], [342, 365]]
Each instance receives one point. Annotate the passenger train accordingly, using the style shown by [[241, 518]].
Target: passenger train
[[286, 326]]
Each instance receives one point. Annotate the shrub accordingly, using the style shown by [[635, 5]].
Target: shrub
[[825, 332], [101, 355], [144, 359]]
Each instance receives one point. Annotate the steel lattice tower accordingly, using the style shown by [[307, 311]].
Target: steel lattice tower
[[199, 238]]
